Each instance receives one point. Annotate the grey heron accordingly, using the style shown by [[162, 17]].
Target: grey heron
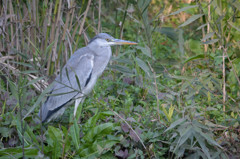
[[79, 75]]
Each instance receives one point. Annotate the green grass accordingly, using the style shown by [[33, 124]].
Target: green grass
[[163, 98]]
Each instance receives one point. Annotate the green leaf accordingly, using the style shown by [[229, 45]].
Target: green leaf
[[34, 81], [130, 51], [207, 36], [40, 98], [169, 113], [120, 68], [78, 82], [49, 48], [109, 155], [95, 149], [200, 56], [201, 142], [176, 123], [211, 41], [29, 71], [13, 89], [145, 50], [99, 130], [183, 9], [169, 32], [27, 139], [55, 133], [191, 19], [210, 140], [22, 63], [74, 133], [124, 61], [5, 132], [58, 94], [181, 41], [143, 66], [106, 113], [236, 4], [186, 135], [32, 136], [55, 140], [181, 77], [236, 61], [79, 111], [16, 152], [205, 135], [93, 120], [35, 47], [217, 7], [202, 26], [66, 70], [67, 140], [196, 123], [231, 23], [23, 55]]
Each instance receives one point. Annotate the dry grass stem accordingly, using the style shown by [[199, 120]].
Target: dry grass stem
[[130, 128], [84, 18], [224, 80], [99, 16], [156, 90]]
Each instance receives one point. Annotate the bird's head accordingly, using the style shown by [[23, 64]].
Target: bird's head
[[104, 39]]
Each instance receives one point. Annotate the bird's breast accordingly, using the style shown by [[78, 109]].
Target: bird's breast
[[99, 65]]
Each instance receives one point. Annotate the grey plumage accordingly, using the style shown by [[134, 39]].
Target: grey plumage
[[79, 75]]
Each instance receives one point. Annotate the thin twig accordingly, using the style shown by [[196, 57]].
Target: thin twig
[[156, 90], [22, 126], [203, 32], [99, 16], [41, 127], [121, 27], [84, 18], [126, 123], [224, 80], [4, 58], [130, 128]]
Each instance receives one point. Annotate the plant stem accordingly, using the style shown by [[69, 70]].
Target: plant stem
[[84, 18], [224, 80], [156, 91], [99, 16]]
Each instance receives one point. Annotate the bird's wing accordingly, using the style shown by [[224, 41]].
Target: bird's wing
[[74, 77]]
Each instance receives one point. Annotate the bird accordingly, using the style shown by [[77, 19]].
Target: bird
[[79, 75]]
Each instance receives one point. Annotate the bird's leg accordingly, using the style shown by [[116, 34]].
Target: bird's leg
[[77, 102]]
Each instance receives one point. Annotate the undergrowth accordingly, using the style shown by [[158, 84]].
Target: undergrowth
[[174, 95]]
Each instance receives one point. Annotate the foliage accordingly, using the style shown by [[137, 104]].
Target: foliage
[[192, 136], [174, 95]]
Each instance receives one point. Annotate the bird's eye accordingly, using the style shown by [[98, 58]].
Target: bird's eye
[[108, 40]]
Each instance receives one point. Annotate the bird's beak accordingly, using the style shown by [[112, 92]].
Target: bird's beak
[[122, 42]]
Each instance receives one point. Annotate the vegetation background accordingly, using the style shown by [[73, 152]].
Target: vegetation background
[[174, 95]]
